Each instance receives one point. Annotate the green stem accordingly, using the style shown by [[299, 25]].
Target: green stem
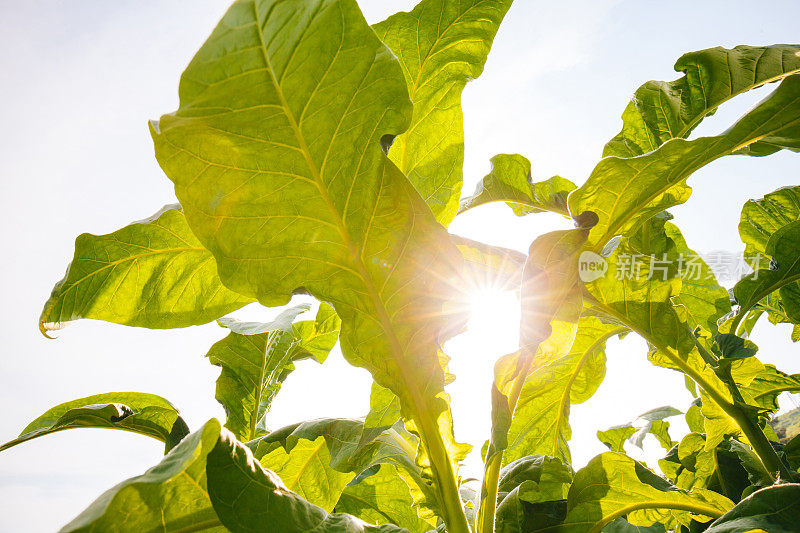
[[491, 479], [447, 482]]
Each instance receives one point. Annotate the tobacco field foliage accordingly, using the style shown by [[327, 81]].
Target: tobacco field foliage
[[312, 153]]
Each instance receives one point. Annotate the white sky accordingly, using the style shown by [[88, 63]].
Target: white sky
[[81, 78]]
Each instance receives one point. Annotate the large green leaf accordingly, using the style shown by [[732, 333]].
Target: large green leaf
[[351, 447], [307, 471], [782, 275], [172, 496], [137, 412], [382, 498], [276, 155], [614, 485], [153, 273], [550, 307], [248, 498], [540, 424], [510, 181], [660, 111], [704, 299], [532, 494], [624, 192], [765, 388], [773, 509], [760, 219], [441, 45], [257, 358]]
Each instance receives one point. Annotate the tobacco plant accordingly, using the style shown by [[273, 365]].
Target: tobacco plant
[[314, 154]]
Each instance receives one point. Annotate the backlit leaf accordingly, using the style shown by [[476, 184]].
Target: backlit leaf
[[660, 111], [256, 358], [441, 45], [172, 496], [276, 154], [153, 274], [510, 181], [624, 192], [137, 412]]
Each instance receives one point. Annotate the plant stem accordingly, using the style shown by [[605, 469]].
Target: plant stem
[[447, 483], [491, 478]]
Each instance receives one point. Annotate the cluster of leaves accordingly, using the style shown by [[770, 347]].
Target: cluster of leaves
[[314, 154]]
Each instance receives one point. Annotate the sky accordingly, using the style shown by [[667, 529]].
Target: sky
[[81, 78]]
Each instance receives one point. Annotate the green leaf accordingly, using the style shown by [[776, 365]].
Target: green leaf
[[153, 274], [441, 46], [660, 111], [490, 266], [137, 412], [689, 465], [541, 420], [532, 494], [384, 408], [276, 155], [626, 192], [704, 299], [635, 431], [256, 359], [784, 249], [510, 181], [351, 446], [306, 471], [764, 389], [382, 498], [761, 218], [614, 485], [774, 509], [172, 496], [615, 437], [248, 498]]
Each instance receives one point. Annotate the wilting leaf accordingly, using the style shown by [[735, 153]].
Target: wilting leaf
[[248, 498], [276, 155], [541, 420], [626, 192], [510, 181], [773, 509], [153, 274], [137, 412], [256, 359], [613, 484], [382, 498], [660, 111], [172, 496], [441, 45]]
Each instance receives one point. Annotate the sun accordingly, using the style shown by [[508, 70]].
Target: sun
[[494, 315]]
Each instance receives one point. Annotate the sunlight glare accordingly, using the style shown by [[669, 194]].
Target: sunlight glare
[[494, 315]]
